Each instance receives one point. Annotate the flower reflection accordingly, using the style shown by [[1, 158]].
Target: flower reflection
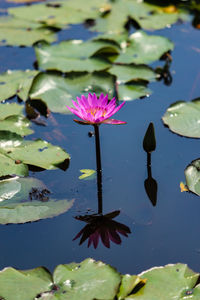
[[101, 226]]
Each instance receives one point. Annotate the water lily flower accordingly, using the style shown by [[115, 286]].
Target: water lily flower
[[93, 110], [102, 226]]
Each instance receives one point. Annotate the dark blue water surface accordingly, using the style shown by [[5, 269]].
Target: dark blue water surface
[[166, 233]]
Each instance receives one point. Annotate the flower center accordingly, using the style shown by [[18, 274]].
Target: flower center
[[94, 110]]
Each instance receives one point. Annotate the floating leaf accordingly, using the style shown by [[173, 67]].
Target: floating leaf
[[16, 83], [10, 109], [74, 55], [146, 15], [26, 199], [180, 283], [88, 174], [128, 283], [71, 280], [143, 48], [129, 92], [16, 124], [58, 14], [183, 187], [91, 279], [16, 154], [192, 175], [39, 153], [184, 118], [57, 91], [18, 32], [126, 73], [8, 166], [23, 285]]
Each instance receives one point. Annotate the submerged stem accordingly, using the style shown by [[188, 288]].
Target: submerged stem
[[99, 170]]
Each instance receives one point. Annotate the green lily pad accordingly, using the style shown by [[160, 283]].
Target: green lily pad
[[146, 15], [128, 283], [169, 282], [91, 279], [39, 153], [18, 32], [129, 92], [27, 199], [59, 14], [57, 91], [126, 73], [102, 281], [9, 166], [74, 55], [17, 124], [192, 175], [16, 83], [143, 48], [10, 109], [23, 285], [88, 174], [184, 118], [16, 154]]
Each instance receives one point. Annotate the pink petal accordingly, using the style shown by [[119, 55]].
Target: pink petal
[[82, 104], [74, 111], [76, 105], [104, 101], [90, 100], [113, 122]]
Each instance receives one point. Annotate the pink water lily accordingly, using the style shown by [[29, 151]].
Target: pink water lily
[[93, 110]]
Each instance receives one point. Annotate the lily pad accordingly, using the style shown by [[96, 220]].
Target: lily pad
[[74, 55], [18, 32], [9, 166], [16, 124], [192, 175], [57, 91], [58, 14], [146, 15], [101, 280], [16, 83], [129, 92], [27, 199], [91, 279], [169, 282], [184, 118], [23, 285], [128, 283], [16, 154], [126, 73], [10, 109], [144, 49]]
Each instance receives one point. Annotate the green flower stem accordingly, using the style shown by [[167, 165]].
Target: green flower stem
[[99, 170]]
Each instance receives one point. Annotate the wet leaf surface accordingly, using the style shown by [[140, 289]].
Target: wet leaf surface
[[184, 118], [27, 199], [169, 282], [192, 175], [16, 83], [57, 91]]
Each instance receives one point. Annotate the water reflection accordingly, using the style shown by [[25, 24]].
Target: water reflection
[[101, 226], [149, 145]]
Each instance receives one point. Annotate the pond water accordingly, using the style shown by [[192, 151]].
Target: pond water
[[161, 234]]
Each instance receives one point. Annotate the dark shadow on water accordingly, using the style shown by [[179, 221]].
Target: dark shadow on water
[[100, 226]]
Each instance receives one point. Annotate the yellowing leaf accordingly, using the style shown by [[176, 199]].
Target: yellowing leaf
[[183, 187], [87, 174]]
